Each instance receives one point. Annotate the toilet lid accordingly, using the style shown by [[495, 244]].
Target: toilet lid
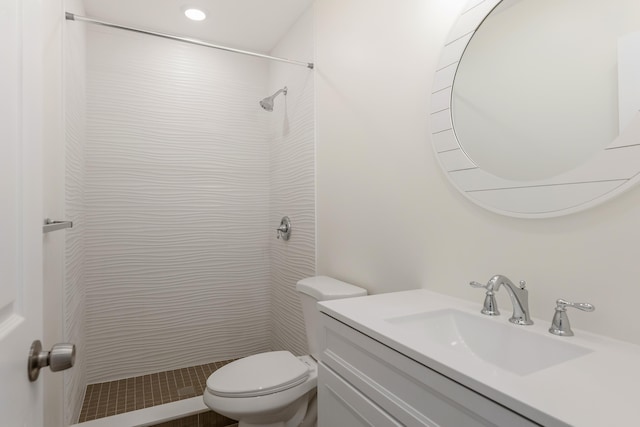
[[258, 375]]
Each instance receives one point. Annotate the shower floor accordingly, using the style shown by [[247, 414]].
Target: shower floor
[[130, 394]]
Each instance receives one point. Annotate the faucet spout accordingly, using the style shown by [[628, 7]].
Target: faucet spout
[[519, 297]]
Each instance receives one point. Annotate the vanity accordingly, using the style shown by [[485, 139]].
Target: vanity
[[419, 358]]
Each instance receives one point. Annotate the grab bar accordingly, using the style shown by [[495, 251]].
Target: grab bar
[[50, 225]]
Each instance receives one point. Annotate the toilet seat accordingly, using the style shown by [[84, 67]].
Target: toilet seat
[[258, 375]]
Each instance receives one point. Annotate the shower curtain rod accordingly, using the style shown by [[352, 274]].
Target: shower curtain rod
[[73, 17]]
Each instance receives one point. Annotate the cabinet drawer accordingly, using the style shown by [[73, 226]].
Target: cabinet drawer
[[410, 392], [342, 405]]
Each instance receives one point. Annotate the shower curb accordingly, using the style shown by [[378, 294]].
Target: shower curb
[[152, 415]]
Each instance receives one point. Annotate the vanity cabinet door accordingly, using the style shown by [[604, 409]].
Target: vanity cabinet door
[[342, 405], [408, 391]]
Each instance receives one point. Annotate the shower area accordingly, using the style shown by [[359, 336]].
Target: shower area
[[177, 177]]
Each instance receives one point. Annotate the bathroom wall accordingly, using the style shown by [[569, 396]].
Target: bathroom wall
[[389, 220], [292, 172], [177, 205], [74, 295]]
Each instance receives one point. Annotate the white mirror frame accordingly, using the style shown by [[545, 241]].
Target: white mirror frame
[[608, 173]]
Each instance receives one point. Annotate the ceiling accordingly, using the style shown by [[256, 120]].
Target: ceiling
[[255, 25]]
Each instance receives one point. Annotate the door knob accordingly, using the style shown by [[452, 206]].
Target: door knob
[[62, 356]]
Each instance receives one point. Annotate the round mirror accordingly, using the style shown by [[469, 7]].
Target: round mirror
[[535, 112]]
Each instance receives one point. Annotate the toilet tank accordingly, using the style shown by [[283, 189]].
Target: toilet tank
[[321, 288]]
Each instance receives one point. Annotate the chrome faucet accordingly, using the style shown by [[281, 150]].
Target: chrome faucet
[[518, 295]]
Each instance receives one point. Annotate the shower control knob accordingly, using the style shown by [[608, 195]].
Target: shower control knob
[[284, 230], [62, 356]]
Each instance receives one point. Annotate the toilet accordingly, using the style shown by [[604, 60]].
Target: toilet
[[276, 388]]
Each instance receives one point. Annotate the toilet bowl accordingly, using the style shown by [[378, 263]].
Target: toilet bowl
[[266, 389], [277, 389]]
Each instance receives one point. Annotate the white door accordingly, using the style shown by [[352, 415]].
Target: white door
[[20, 209]]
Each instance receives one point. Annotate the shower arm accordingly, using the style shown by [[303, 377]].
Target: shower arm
[[283, 90]]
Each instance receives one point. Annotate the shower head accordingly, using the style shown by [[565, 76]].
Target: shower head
[[267, 103]]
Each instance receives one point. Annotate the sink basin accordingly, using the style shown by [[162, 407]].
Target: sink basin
[[501, 344]]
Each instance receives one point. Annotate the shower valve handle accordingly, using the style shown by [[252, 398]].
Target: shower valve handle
[[284, 230]]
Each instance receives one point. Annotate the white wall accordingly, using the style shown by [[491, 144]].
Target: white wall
[[292, 185], [387, 217], [177, 198]]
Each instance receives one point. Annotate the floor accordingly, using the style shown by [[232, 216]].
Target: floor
[[207, 419], [130, 394]]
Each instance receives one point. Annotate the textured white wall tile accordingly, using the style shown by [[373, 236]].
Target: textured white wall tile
[[74, 287], [292, 185], [177, 196]]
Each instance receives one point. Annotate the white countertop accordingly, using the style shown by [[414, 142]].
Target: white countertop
[[598, 389]]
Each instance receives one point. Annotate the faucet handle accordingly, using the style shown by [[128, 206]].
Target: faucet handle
[[475, 284], [522, 284], [560, 324], [584, 306], [490, 306]]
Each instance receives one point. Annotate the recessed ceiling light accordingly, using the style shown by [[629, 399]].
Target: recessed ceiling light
[[195, 14]]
